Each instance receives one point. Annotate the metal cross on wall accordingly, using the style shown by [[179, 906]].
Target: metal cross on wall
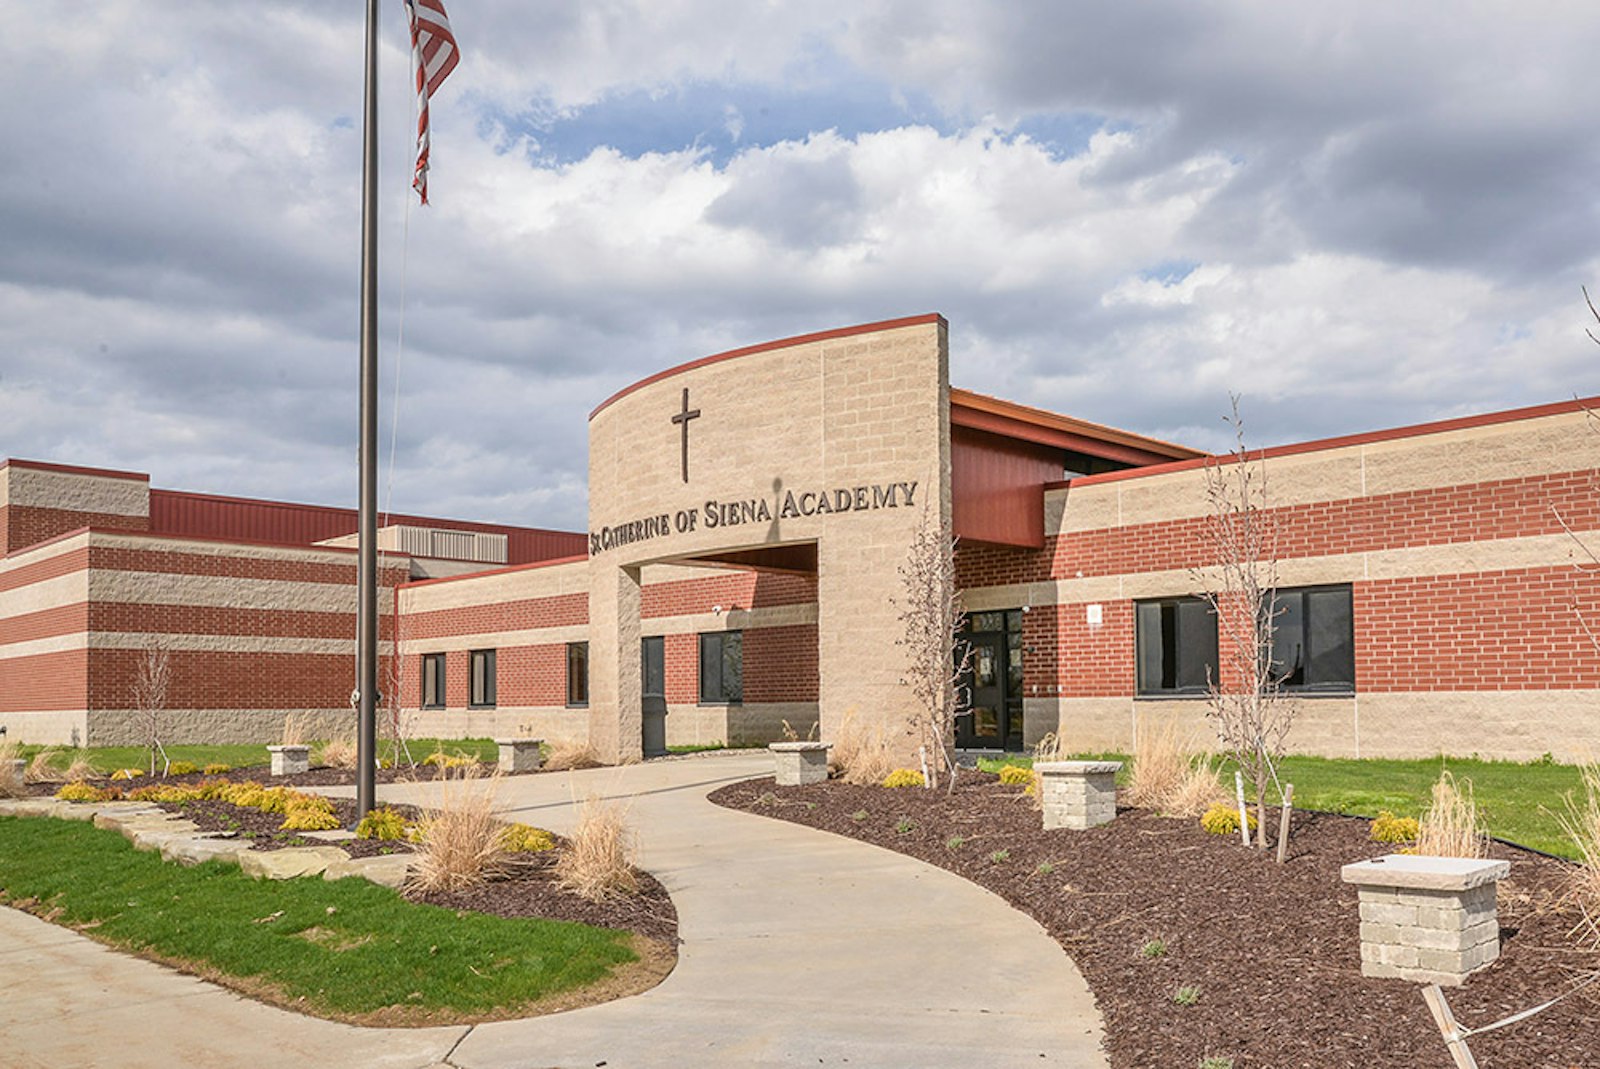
[[682, 419]]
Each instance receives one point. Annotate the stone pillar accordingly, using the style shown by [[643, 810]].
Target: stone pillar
[[520, 755], [290, 760], [616, 720], [19, 769], [797, 763], [1428, 919], [1077, 794]]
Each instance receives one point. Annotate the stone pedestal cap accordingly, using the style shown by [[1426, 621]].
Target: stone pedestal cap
[[1426, 873], [291, 748], [518, 742], [1076, 768], [797, 747]]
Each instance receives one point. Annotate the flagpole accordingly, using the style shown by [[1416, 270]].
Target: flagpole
[[367, 525]]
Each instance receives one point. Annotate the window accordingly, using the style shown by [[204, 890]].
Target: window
[[722, 668], [1176, 646], [433, 681], [482, 696], [577, 673], [1313, 640]]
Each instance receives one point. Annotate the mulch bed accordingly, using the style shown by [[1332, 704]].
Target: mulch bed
[[529, 889], [1274, 950]]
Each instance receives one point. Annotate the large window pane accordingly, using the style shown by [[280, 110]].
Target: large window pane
[[577, 673], [1175, 646], [722, 668], [1313, 643]]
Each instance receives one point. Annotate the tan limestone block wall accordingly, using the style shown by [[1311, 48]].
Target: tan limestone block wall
[[72, 492], [1495, 451], [496, 587], [855, 416], [124, 727], [550, 723], [49, 727], [1504, 725]]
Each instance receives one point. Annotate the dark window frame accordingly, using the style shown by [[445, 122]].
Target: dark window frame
[[437, 660], [481, 686], [715, 686], [1275, 611], [1182, 672], [578, 696]]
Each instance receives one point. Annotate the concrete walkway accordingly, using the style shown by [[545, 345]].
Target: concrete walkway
[[799, 948]]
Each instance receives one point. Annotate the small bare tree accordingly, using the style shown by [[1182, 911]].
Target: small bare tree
[[1241, 583], [150, 699], [931, 617]]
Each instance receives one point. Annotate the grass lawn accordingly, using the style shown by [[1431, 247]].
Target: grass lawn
[[349, 948], [1519, 802], [107, 759]]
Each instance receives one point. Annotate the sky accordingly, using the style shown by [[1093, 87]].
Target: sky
[[1354, 216]]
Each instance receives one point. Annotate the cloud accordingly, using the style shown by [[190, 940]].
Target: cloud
[[1356, 216]]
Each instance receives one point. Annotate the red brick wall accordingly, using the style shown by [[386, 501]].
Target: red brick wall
[[681, 654], [46, 681], [561, 610], [780, 664], [1509, 630], [736, 589], [27, 525]]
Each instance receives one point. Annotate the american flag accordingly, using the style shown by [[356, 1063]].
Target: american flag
[[433, 56]]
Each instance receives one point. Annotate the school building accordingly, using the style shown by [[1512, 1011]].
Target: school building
[[749, 515]]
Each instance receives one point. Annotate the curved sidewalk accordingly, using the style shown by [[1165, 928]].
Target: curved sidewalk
[[799, 948]]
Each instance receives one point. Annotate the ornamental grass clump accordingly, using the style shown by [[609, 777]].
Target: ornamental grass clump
[[905, 777], [1168, 778], [1581, 821], [42, 769], [861, 755], [1223, 819], [1451, 827], [570, 754], [1388, 828], [598, 860], [458, 843], [338, 753], [11, 781]]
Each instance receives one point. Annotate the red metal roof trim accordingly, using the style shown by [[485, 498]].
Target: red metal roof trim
[[1415, 430], [764, 347]]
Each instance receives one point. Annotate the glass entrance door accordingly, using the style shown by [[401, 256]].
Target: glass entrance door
[[653, 694], [992, 683]]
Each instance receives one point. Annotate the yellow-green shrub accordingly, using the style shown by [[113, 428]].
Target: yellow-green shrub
[[904, 777], [79, 791], [216, 768], [182, 768], [440, 759], [276, 799], [1016, 776], [1223, 819], [526, 839], [126, 773], [310, 814], [1389, 828], [164, 792], [384, 823]]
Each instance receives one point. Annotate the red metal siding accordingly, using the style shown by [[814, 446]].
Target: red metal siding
[[997, 487], [174, 512]]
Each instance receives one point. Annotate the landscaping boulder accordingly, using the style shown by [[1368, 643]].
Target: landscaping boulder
[[290, 864]]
